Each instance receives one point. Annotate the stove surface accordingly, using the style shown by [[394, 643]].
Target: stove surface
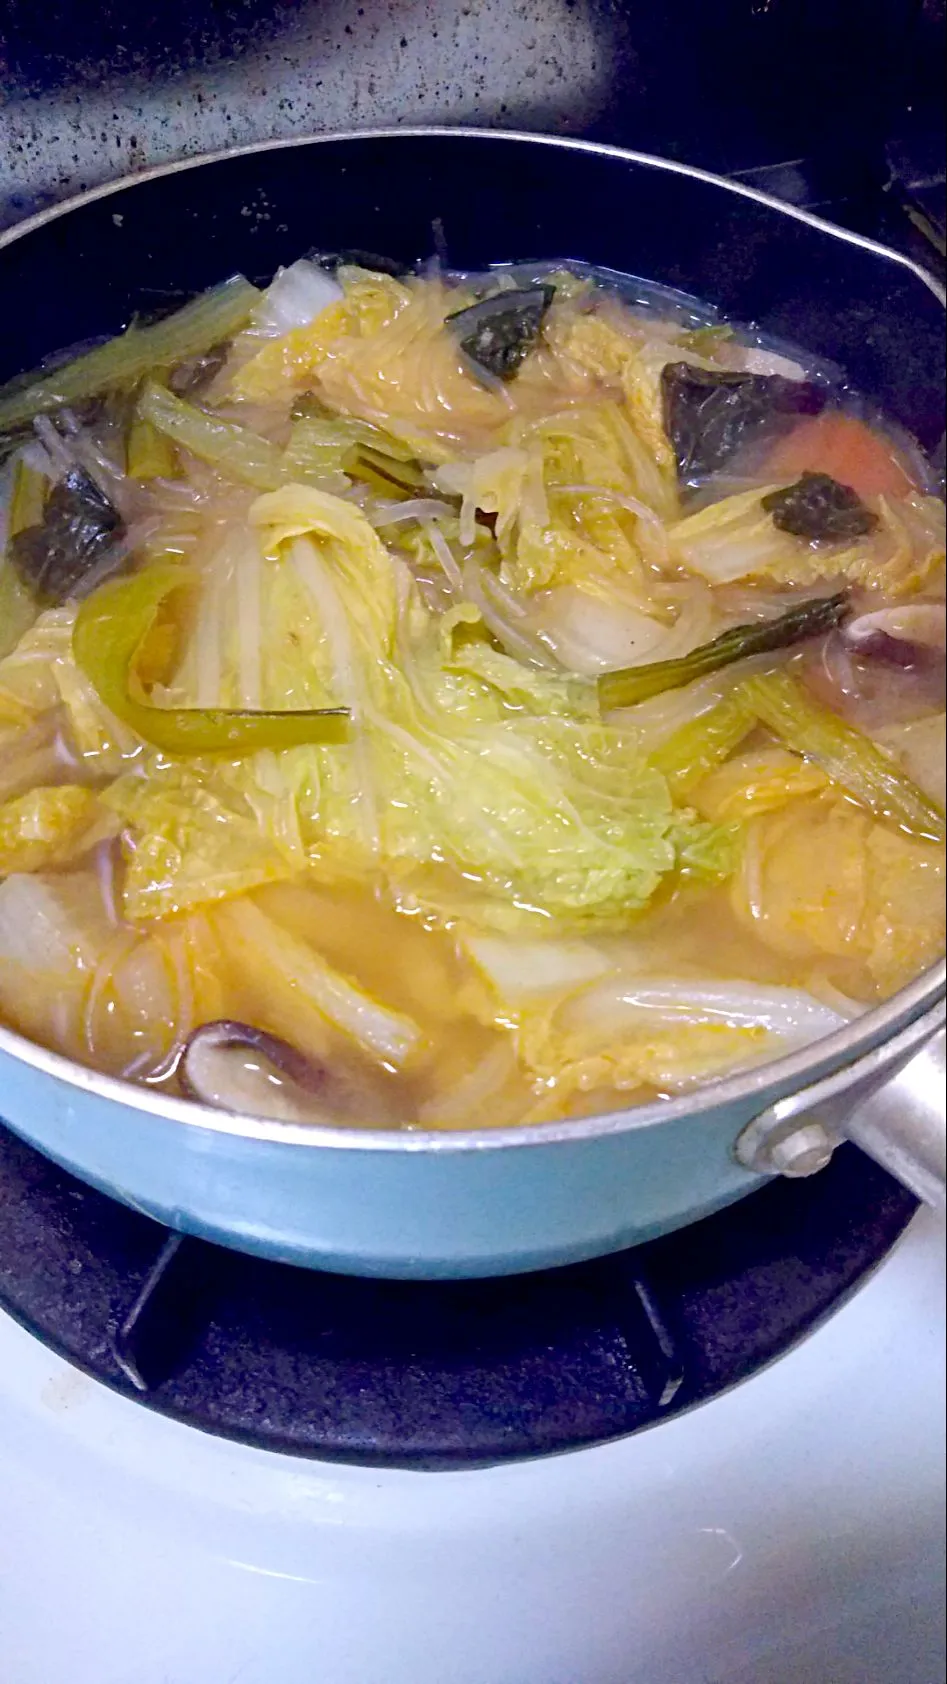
[[95, 91], [827, 105], [788, 1532]]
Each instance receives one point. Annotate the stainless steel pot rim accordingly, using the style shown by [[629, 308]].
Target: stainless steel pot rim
[[842, 1047], [466, 132]]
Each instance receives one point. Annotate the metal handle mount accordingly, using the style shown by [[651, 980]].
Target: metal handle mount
[[890, 1103]]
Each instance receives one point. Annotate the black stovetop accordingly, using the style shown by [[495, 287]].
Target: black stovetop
[[839, 92]]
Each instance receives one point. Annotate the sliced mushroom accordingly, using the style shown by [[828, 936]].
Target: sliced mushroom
[[238, 1067], [901, 633]]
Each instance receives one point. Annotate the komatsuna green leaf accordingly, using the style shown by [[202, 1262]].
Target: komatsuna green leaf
[[121, 362], [111, 627]]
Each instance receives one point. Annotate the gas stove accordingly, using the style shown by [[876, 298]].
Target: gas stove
[[716, 1459]]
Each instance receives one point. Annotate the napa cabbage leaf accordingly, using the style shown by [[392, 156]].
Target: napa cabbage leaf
[[629, 1032], [46, 825], [736, 538], [574, 496], [479, 784], [824, 881]]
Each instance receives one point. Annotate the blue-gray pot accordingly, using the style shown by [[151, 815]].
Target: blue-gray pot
[[496, 1201]]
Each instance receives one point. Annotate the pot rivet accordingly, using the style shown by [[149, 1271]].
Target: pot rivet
[[803, 1152]]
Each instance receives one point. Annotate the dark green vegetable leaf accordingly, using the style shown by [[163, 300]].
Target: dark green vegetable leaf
[[635, 684], [78, 526], [497, 333], [820, 509], [709, 414], [111, 627]]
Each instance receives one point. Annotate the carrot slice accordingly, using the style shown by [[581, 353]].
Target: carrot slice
[[845, 448]]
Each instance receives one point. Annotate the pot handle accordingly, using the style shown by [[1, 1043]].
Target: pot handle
[[890, 1103]]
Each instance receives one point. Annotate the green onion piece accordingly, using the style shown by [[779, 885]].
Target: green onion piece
[[636, 684], [364, 451], [851, 760], [149, 454], [349, 429], [111, 627], [702, 744], [27, 499], [316, 449], [119, 364], [18, 608], [239, 453]]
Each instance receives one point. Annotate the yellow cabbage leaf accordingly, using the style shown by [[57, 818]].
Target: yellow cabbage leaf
[[559, 489], [150, 990], [821, 879], [605, 1061], [635, 1030], [348, 578], [757, 781], [40, 674], [308, 995], [465, 768], [46, 826], [290, 364], [615, 350], [383, 354], [54, 931], [120, 999], [736, 538], [200, 830]]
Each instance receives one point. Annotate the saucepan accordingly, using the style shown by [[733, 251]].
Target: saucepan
[[425, 1204]]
